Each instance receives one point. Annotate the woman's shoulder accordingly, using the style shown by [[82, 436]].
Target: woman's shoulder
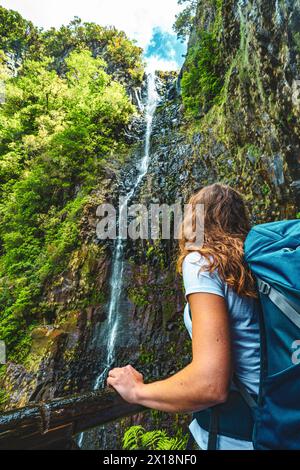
[[194, 257], [198, 279], [194, 264]]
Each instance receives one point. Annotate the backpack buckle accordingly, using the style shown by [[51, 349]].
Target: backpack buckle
[[264, 287]]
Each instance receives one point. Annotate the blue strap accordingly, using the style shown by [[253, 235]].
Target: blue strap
[[291, 311], [213, 429], [251, 402], [235, 418]]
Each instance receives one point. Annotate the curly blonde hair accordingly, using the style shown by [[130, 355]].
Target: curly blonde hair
[[226, 225]]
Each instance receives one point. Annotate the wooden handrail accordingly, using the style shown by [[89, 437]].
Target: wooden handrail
[[52, 424]]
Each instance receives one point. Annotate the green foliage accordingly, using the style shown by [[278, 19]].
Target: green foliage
[[120, 53], [202, 80], [265, 189], [296, 38], [146, 356], [136, 438], [57, 133], [185, 19], [4, 398], [21, 39], [17, 35], [139, 296]]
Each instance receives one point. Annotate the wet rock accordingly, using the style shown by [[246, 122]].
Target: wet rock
[[251, 141]]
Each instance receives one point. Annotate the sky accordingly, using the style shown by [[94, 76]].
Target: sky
[[148, 21]]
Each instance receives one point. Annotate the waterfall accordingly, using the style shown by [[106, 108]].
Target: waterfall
[[137, 94], [116, 280]]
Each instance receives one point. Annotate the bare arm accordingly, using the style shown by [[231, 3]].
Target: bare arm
[[205, 381]]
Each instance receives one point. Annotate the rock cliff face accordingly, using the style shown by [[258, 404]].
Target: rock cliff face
[[247, 137], [68, 354], [245, 133], [250, 131]]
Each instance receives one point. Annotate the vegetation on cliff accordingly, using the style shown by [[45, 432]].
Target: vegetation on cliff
[[61, 127], [239, 89], [20, 39], [62, 123], [185, 19]]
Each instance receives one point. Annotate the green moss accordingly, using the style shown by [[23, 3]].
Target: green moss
[[16, 336], [201, 82], [203, 77], [240, 166], [240, 163], [218, 22], [265, 189], [70, 354], [156, 254], [139, 296], [146, 357], [4, 399], [296, 38]]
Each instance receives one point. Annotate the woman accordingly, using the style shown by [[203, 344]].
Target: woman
[[221, 317]]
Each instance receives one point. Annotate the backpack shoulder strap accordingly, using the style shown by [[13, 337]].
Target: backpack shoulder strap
[[291, 311], [248, 398], [213, 429]]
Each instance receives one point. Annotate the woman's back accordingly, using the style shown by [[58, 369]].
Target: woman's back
[[225, 326], [243, 318]]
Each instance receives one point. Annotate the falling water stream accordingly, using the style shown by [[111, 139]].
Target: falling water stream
[[116, 280]]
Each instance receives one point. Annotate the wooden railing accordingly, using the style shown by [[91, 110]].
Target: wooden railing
[[53, 424]]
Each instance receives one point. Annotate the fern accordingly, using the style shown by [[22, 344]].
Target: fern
[[132, 437], [173, 443], [136, 438], [150, 440]]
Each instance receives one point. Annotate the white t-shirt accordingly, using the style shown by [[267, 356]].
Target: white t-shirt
[[243, 313]]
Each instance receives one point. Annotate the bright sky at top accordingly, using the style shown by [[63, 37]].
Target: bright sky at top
[[148, 21]]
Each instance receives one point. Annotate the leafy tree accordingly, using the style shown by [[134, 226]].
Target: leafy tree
[[56, 135], [20, 39], [122, 55], [185, 19], [17, 35]]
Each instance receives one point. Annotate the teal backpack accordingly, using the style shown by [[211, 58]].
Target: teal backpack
[[272, 252], [271, 420]]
